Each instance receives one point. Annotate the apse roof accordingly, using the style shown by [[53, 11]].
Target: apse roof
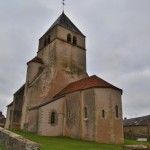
[[65, 22], [83, 84], [87, 83]]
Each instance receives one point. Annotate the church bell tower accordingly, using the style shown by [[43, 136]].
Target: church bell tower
[[60, 60]]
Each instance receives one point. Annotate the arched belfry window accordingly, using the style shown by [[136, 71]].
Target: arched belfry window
[[85, 112], [116, 111], [74, 40], [69, 38], [53, 118]]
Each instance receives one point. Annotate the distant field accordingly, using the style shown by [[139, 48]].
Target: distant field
[[64, 143]]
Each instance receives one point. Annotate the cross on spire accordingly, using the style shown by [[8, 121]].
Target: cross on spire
[[63, 3]]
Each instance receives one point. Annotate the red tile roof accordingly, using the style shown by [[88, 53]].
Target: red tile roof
[[87, 83]]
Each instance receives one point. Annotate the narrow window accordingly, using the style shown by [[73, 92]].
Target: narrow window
[[69, 38], [116, 111], [69, 114], [45, 42], [85, 112], [53, 118], [74, 40], [103, 113], [49, 39]]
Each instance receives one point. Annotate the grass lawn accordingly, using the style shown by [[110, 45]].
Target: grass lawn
[[65, 143], [2, 148]]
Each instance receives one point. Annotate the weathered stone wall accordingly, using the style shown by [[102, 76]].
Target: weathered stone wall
[[88, 121], [73, 110], [137, 131], [106, 100], [135, 147], [8, 116], [14, 111], [45, 127], [12, 141]]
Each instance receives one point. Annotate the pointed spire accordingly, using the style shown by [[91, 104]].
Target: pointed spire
[[65, 22]]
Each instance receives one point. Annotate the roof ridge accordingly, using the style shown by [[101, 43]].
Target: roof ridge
[[86, 83]]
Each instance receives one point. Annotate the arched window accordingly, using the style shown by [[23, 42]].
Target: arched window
[[74, 40], [103, 113], [45, 42], [49, 39], [85, 112], [69, 38], [116, 112], [53, 118]]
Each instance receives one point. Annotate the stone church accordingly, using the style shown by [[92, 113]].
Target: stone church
[[59, 98]]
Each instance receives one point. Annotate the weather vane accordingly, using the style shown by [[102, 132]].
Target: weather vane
[[63, 3]]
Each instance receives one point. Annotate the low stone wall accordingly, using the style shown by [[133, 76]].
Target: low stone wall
[[12, 141], [134, 147]]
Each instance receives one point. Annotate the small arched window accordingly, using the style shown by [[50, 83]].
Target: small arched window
[[74, 40], [53, 118], [85, 112], [45, 42], [49, 39], [116, 111], [69, 38], [103, 113]]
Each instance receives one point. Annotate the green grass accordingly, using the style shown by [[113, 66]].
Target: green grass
[[134, 142], [65, 143], [2, 148]]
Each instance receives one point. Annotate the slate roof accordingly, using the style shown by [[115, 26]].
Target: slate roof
[[86, 83], [140, 121], [36, 59], [65, 22]]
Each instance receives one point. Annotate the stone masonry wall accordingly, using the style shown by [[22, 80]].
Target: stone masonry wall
[[12, 141], [135, 147]]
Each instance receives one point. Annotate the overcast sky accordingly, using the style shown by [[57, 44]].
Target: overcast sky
[[117, 41]]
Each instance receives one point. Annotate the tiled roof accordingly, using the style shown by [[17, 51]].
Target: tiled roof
[[145, 120], [36, 59], [86, 83], [65, 22]]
